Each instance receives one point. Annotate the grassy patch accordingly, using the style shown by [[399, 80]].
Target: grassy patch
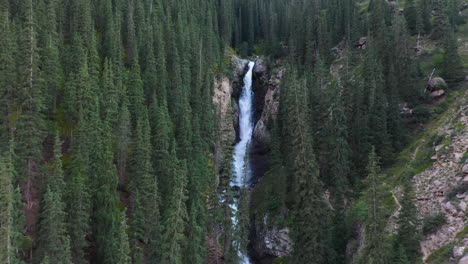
[[441, 255], [462, 234]]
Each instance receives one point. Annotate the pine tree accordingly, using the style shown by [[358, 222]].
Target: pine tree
[[425, 12], [411, 16], [144, 183], [78, 201], [452, 67], [338, 146], [377, 250], [307, 190], [408, 234], [28, 97], [8, 229], [124, 247], [55, 243], [7, 73], [197, 188], [441, 22], [173, 239], [106, 220], [55, 179]]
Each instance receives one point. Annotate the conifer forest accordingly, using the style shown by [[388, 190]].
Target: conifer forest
[[233, 132]]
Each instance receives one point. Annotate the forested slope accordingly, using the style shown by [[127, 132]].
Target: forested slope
[[109, 137]]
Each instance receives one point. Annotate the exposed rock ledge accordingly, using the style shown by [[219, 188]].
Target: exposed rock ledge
[[271, 241]]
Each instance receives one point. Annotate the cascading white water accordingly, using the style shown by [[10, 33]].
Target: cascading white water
[[246, 125]]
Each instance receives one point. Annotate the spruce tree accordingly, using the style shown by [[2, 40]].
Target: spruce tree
[[452, 67], [411, 16], [408, 234], [441, 22], [55, 243], [7, 73], [173, 239], [106, 220], [124, 247], [308, 205], [78, 201], [377, 250], [9, 224], [28, 97]]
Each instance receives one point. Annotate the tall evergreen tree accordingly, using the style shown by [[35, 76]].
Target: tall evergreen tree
[[408, 235], [55, 243], [452, 67], [173, 239], [77, 198], [305, 179], [11, 214], [377, 250]]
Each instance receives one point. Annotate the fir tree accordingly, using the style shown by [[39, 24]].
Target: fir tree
[[78, 202], [10, 213], [408, 234], [452, 67], [411, 16], [377, 250], [173, 239], [55, 243]]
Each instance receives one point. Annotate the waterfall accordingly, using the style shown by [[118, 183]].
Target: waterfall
[[246, 126]]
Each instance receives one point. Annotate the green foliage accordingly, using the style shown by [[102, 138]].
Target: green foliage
[[441, 255], [458, 189], [109, 104], [432, 222]]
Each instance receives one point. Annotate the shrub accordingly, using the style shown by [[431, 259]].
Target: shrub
[[441, 255], [457, 190], [432, 222], [421, 113]]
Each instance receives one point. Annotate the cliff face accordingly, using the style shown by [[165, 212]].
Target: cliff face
[[267, 241], [267, 80]]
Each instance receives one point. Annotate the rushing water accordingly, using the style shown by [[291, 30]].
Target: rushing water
[[246, 126]]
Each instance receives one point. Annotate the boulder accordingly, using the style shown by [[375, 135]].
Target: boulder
[[274, 242], [450, 209], [458, 251], [260, 67], [463, 260], [462, 205], [261, 134], [239, 65], [405, 109], [362, 43], [465, 168], [436, 83], [437, 93]]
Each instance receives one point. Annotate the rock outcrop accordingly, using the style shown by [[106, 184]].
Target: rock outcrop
[[267, 90], [270, 241], [436, 83], [464, 260], [440, 188]]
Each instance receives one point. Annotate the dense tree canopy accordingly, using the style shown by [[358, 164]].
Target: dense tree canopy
[[108, 128]]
